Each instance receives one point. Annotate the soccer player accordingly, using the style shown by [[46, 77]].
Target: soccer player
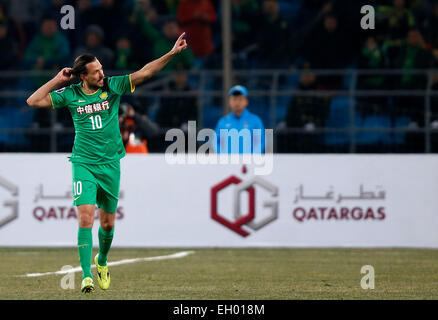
[[98, 148]]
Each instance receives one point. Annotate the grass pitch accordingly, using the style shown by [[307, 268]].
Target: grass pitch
[[228, 274]]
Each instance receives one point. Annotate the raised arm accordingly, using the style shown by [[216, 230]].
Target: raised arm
[[153, 67], [41, 97]]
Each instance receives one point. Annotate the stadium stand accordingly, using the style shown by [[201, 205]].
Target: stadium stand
[[316, 35]]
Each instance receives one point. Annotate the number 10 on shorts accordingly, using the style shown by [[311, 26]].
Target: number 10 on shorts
[[77, 188]]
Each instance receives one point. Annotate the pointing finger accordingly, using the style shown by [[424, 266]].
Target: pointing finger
[[181, 36]]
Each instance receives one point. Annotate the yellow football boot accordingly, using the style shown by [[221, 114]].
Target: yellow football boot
[[103, 275]]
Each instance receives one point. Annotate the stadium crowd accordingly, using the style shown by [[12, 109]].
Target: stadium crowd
[[266, 34]]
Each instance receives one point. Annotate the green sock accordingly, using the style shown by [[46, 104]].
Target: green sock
[[105, 240], [85, 248]]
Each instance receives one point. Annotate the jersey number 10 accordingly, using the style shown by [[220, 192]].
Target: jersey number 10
[[96, 122], [77, 188]]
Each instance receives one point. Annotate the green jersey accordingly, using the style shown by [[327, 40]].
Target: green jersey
[[96, 119]]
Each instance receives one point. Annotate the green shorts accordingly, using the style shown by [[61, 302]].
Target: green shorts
[[96, 184]]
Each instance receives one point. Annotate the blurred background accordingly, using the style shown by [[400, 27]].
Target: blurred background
[[313, 75]]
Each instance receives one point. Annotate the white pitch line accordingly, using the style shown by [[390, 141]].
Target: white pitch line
[[115, 263]]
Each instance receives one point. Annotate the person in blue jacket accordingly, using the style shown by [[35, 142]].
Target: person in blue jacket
[[249, 133]]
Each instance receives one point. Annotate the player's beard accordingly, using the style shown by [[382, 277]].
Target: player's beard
[[95, 86]]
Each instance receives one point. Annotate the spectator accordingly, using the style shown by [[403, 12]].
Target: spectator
[[372, 56], [176, 111], [413, 55], [9, 54], [83, 11], [10, 50], [196, 18], [309, 111], [110, 16], [135, 129], [28, 13], [13, 30], [429, 27], [163, 41], [244, 22], [241, 119], [125, 55], [325, 45], [148, 10], [328, 46], [49, 49], [274, 38], [166, 7], [393, 22], [94, 45], [54, 9]]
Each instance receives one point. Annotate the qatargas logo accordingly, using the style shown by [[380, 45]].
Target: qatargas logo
[[245, 205], [253, 218], [58, 206], [8, 201]]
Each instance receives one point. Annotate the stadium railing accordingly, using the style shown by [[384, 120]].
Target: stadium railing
[[398, 114]]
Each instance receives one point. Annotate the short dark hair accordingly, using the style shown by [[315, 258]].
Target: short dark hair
[[80, 64]]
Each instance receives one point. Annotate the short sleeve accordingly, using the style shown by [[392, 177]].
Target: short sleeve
[[58, 98], [121, 84]]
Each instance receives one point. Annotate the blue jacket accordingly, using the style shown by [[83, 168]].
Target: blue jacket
[[255, 141]]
